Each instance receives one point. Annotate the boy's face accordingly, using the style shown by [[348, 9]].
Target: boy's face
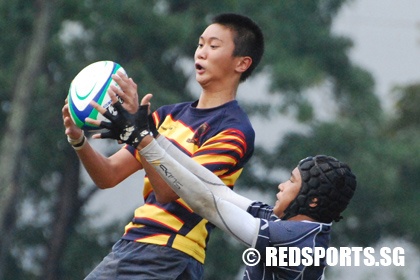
[[213, 57], [288, 191]]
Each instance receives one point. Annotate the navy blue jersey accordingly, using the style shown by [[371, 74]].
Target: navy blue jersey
[[220, 139], [274, 232]]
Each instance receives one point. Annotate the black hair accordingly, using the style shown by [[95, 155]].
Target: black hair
[[248, 38]]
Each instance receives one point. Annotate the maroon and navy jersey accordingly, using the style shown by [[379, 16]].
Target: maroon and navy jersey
[[222, 140], [274, 232]]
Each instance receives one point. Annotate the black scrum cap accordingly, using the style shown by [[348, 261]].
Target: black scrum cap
[[326, 181]]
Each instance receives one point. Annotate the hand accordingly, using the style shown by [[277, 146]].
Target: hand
[[127, 92], [123, 126], [72, 131], [152, 126]]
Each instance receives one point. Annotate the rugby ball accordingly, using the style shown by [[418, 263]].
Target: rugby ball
[[91, 83]]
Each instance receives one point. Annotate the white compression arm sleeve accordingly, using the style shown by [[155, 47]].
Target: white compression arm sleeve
[[206, 203], [214, 183]]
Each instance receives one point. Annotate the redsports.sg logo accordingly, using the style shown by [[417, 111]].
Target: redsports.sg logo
[[343, 256]]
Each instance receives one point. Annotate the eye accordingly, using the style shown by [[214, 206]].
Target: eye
[[213, 47], [199, 45]]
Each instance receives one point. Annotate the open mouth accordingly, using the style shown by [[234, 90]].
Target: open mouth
[[198, 66]]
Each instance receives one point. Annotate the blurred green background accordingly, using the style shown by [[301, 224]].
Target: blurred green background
[[309, 96]]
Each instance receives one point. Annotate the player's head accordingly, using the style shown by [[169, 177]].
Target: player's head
[[248, 38], [327, 186]]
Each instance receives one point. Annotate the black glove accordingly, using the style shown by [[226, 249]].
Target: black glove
[[125, 127], [152, 126]]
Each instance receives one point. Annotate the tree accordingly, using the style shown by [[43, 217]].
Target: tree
[[13, 138], [404, 131], [155, 41]]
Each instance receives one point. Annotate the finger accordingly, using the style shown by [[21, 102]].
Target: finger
[[121, 80], [121, 74], [118, 89], [114, 92], [65, 111], [101, 135], [98, 107], [106, 125], [127, 85], [92, 121], [96, 136], [126, 91], [130, 82], [68, 122], [118, 107], [146, 99], [107, 135], [111, 114], [124, 78], [71, 130]]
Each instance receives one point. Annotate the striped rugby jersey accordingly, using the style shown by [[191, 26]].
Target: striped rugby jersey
[[274, 232], [222, 140]]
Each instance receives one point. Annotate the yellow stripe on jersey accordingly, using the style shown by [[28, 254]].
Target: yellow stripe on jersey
[[168, 130], [192, 243], [130, 226], [195, 236], [159, 215], [158, 239], [194, 249], [228, 143]]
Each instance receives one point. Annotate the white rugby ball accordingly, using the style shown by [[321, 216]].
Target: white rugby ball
[[89, 84]]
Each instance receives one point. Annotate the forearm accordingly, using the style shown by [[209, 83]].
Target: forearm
[[162, 190], [199, 196], [107, 172], [214, 183]]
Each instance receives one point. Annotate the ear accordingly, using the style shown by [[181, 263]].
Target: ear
[[314, 202], [243, 63]]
